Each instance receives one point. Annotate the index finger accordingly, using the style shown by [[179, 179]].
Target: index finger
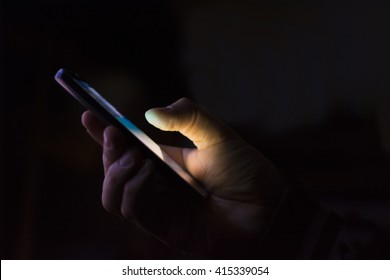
[[94, 127]]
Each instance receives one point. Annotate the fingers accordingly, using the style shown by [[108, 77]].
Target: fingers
[[114, 145], [126, 173], [124, 180], [94, 127], [194, 123], [110, 138], [133, 188]]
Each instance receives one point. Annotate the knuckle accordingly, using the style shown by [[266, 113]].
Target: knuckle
[[186, 101], [112, 176]]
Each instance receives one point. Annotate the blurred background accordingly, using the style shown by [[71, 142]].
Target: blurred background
[[305, 83]]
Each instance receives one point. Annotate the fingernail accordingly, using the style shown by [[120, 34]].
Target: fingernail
[[126, 160], [153, 117], [150, 115]]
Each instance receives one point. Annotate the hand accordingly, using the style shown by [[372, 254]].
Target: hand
[[243, 186]]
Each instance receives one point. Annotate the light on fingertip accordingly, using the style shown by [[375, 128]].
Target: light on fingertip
[[152, 117]]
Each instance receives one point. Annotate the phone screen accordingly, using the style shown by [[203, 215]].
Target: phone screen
[[67, 79]]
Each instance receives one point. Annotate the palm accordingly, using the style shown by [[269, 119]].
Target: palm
[[240, 182]]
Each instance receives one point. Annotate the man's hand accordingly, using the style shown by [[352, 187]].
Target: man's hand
[[243, 186]]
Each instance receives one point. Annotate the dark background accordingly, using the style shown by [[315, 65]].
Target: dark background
[[306, 83]]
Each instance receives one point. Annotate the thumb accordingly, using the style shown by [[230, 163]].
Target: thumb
[[194, 123]]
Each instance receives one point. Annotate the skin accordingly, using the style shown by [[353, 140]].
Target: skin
[[243, 186]]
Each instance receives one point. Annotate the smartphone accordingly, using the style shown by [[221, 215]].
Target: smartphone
[[108, 115]]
